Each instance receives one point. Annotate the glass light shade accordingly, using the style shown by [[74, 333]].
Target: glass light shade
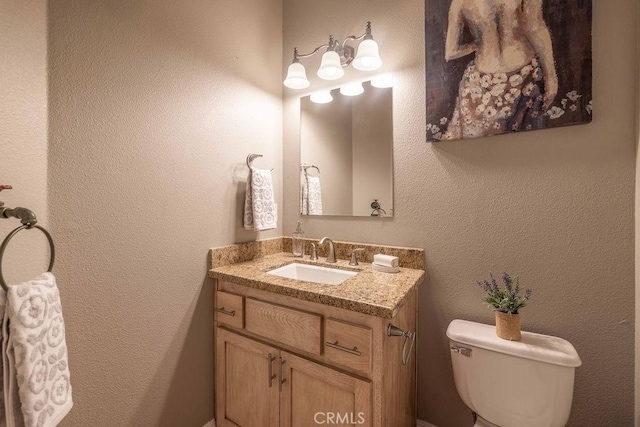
[[352, 89], [382, 81], [321, 97], [368, 57], [296, 77], [330, 67]]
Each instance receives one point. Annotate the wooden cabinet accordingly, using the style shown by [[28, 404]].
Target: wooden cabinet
[[313, 394], [284, 362], [247, 392], [229, 309], [296, 328], [348, 344]]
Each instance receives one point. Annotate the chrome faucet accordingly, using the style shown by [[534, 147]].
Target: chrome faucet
[[331, 256], [314, 252], [354, 256]]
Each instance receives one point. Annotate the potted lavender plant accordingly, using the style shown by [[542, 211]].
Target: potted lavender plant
[[506, 303]]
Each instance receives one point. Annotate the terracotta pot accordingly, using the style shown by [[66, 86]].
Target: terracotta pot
[[508, 326]]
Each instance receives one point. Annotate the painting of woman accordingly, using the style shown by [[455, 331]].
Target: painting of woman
[[510, 81]]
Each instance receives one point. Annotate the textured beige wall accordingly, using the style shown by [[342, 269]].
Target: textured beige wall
[[153, 109], [637, 227], [23, 131], [555, 207]]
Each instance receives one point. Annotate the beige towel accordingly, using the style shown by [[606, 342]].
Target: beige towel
[[260, 211], [35, 355]]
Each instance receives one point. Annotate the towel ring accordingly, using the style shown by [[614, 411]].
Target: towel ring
[[251, 157], [305, 167], [10, 236]]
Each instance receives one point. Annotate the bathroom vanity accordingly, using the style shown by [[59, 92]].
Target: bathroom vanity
[[294, 353]]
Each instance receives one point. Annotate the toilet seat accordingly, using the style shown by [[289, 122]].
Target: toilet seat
[[481, 422]]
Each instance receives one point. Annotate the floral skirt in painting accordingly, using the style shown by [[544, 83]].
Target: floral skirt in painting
[[493, 104]]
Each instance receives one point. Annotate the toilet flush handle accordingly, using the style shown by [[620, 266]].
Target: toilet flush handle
[[466, 352]]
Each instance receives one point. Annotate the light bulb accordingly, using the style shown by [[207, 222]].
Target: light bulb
[[382, 81], [321, 97], [352, 89]]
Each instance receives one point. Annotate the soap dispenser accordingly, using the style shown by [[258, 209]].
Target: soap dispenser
[[297, 241]]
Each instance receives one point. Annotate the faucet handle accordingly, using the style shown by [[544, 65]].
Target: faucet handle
[[354, 257], [314, 252]]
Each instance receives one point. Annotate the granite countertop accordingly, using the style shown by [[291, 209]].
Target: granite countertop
[[369, 292]]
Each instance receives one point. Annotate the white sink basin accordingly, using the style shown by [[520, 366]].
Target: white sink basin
[[313, 273]]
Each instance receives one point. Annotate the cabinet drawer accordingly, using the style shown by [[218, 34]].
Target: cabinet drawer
[[348, 344], [228, 309], [299, 329]]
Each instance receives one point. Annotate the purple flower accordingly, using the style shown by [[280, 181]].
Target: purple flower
[[507, 280], [484, 285], [494, 284], [507, 299]]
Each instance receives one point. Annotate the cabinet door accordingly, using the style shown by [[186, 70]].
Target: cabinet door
[[313, 394], [246, 382]]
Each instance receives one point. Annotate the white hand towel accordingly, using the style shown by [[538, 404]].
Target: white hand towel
[[35, 354], [386, 260], [304, 196], [314, 194], [259, 204], [10, 412]]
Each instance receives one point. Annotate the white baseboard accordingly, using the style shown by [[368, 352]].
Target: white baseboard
[[211, 423]]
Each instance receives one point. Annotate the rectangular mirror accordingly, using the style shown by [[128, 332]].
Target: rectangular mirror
[[346, 152]]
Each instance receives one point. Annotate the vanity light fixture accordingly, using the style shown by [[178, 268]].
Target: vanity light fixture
[[352, 89], [321, 97], [296, 76], [382, 81], [337, 56]]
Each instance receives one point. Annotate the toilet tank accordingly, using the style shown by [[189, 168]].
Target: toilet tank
[[527, 383]]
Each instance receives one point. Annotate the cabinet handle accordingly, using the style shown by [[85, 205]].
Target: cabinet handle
[[282, 380], [227, 312], [271, 374], [346, 349]]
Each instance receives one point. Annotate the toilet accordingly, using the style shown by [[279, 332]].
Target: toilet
[[527, 383]]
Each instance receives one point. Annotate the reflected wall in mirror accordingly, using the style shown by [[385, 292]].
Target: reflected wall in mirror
[[346, 153]]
